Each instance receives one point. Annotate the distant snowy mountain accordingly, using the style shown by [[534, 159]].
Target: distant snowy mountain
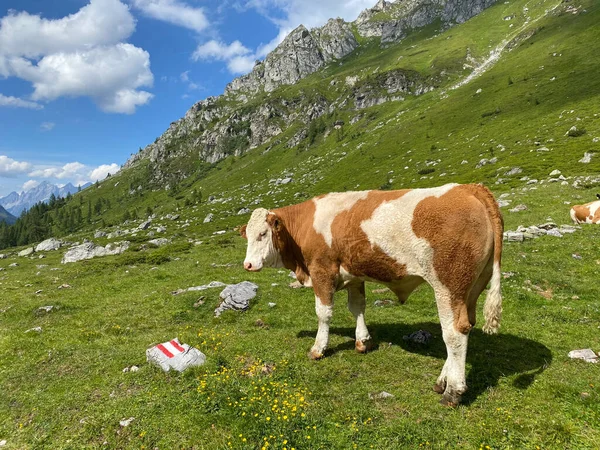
[[16, 203]]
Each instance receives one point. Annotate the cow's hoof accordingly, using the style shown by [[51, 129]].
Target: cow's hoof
[[314, 355], [450, 399], [364, 346]]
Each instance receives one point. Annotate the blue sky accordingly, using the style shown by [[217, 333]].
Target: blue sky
[[85, 83]]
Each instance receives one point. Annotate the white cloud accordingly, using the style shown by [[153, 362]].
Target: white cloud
[[101, 22], [30, 185], [310, 13], [100, 173], [69, 170], [47, 126], [220, 51], [18, 102], [11, 168], [124, 69], [239, 59], [174, 12], [185, 76], [74, 172], [81, 55]]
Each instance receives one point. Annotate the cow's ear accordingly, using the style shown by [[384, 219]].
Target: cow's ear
[[243, 232], [274, 222]]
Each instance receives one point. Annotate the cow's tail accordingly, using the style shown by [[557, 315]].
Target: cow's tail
[[492, 308], [573, 214]]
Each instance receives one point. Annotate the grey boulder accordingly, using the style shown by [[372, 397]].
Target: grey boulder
[[90, 250], [48, 245], [237, 297]]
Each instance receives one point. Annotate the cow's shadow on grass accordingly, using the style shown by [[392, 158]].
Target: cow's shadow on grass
[[490, 357]]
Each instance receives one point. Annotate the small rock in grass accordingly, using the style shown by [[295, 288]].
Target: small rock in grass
[[200, 302], [554, 232], [272, 305], [380, 395], [3, 442], [577, 256], [384, 302], [35, 329], [514, 236], [134, 369], [39, 291], [45, 309], [26, 252], [64, 286], [212, 284], [126, 422], [519, 208], [260, 324], [380, 291], [587, 354], [418, 337]]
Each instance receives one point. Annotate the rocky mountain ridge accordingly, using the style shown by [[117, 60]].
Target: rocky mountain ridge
[[247, 115], [15, 203], [7, 217]]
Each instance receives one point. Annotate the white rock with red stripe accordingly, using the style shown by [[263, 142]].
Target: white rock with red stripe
[[175, 355]]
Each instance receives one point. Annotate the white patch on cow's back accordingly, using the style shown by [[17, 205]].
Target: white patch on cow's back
[[328, 207], [390, 228], [593, 207]]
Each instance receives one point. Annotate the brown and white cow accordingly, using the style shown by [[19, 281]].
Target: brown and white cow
[[448, 236], [588, 213]]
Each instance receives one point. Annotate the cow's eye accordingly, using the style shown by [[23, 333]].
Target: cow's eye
[[263, 234]]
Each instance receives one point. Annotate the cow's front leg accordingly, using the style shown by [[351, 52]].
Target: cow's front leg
[[356, 305], [324, 309]]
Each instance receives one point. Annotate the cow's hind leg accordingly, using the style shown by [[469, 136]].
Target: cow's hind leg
[[454, 319], [356, 305]]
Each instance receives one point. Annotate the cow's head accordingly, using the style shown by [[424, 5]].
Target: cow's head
[[261, 232]]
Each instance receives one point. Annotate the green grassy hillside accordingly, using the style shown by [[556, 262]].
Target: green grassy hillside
[[64, 387]]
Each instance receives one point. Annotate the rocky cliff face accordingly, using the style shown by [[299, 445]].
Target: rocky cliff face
[[301, 53], [236, 121], [391, 21]]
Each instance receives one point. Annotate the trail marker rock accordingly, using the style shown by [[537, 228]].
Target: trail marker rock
[[175, 355]]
